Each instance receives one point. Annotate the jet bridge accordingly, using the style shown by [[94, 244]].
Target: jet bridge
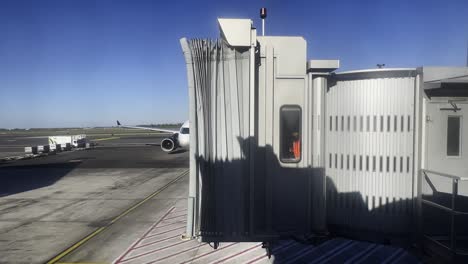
[[251, 109], [282, 146]]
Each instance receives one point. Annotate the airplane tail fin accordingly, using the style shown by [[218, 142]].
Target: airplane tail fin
[[118, 123]]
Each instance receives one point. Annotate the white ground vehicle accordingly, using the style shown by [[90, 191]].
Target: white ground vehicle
[[74, 140]]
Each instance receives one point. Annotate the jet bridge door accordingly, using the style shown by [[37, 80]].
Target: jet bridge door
[[446, 150], [283, 178]]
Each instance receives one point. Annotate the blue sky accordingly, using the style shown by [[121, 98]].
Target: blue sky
[[88, 63]]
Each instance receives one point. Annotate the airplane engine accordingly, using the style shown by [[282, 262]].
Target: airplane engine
[[169, 144]]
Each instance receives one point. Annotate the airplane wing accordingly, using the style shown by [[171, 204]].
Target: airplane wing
[[148, 128]]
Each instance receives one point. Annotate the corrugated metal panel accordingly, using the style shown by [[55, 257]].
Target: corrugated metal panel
[[220, 78], [369, 151]]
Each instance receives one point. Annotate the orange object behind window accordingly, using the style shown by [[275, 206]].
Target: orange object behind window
[[297, 149]]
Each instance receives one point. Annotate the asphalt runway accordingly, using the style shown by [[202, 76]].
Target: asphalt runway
[[123, 152], [13, 144]]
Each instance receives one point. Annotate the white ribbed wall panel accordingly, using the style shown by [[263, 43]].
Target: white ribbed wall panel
[[220, 102], [369, 151]]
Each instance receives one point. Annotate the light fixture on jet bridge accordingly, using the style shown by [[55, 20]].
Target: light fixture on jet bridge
[[263, 15]]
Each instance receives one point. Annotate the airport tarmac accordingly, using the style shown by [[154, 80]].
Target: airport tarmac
[[125, 202], [49, 203], [14, 144]]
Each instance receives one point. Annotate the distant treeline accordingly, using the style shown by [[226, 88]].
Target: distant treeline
[[163, 125]]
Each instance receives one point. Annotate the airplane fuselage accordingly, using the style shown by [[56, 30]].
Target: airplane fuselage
[[184, 136], [178, 139]]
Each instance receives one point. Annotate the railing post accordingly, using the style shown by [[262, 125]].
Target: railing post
[[453, 238], [419, 207]]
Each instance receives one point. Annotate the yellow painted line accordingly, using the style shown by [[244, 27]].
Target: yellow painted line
[[82, 263], [126, 212], [102, 139]]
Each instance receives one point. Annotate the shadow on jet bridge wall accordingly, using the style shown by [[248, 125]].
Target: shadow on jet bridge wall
[[232, 205], [237, 208]]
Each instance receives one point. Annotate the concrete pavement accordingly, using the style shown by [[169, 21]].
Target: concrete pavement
[[49, 203]]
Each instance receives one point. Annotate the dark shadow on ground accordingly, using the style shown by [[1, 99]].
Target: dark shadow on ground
[[339, 250], [17, 179], [178, 151]]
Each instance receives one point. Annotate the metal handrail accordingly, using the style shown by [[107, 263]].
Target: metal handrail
[[445, 175], [452, 211], [443, 208]]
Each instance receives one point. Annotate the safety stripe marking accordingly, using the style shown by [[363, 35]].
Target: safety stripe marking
[[153, 251], [157, 241], [393, 256], [179, 222], [305, 251], [369, 253], [165, 232], [175, 254], [141, 238], [209, 253], [237, 254], [276, 250], [369, 248], [81, 263], [398, 260], [180, 211], [334, 252], [126, 212], [175, 217]]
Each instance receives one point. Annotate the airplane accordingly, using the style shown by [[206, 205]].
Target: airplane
[[178, 139]]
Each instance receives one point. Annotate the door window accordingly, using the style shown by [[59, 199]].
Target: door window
[[290, 134], [453, 135]]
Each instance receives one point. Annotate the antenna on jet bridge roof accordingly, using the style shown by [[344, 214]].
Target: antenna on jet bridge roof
[[263, 15]]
